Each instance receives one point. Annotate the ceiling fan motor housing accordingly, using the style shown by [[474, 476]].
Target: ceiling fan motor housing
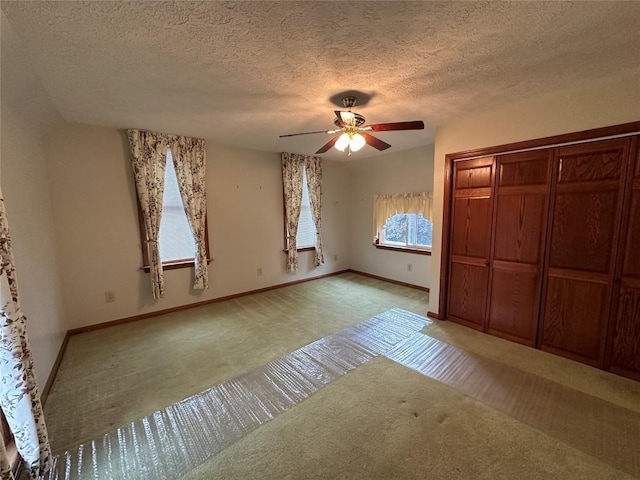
[[358, 120]]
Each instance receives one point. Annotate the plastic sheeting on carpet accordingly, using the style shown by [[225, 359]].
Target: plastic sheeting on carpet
[[599, 428], [180, 437]]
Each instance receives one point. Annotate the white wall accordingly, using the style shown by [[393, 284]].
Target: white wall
[[99, 242], [589, 106], [27, 113], [408, 171]]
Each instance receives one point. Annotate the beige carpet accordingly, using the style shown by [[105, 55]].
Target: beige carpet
[[380, 421], [594, 426], [383, 421], [612, 388], [114, 376]]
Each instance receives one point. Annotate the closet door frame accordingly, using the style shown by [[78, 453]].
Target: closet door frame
[[546, 142]]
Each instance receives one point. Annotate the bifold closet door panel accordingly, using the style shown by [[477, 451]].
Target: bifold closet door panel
[[521, 206], [585, 224], [625, 352], [470, 241], [575, 317], [624, 346]]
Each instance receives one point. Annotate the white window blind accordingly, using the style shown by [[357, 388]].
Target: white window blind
[[176, 240], [306, 227]]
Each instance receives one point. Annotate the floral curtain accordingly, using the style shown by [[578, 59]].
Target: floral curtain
[[386, 206], [189, 159], [292, 167], [19, 396], [313, 167], [149, 159]]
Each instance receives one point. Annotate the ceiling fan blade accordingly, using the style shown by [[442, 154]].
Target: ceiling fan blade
[[384, 127], [306, 133], [375, 142], [328, 145]]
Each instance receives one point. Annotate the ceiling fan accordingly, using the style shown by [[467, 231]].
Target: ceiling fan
[[354, 134]]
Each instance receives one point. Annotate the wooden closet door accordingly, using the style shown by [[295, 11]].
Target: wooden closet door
[[585, 218], [521, 206], [470, 241], [624, 346]]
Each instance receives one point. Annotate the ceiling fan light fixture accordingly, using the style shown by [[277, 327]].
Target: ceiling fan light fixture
[[342, 142], [357, 142]]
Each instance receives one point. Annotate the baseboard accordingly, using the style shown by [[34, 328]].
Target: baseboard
[[389, 280], [437, 316], [143, 316], [54, 370]]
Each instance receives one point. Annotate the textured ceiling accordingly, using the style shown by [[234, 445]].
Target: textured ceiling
[[242, 73]]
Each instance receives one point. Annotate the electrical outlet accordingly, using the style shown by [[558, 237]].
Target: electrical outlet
[[409, 267], [259, 271], [109, 297]]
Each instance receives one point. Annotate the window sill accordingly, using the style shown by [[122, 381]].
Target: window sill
[[175, 264], [305, 249], [418, 251]]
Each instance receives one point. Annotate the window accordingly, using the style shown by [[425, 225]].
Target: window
[[407, 230], [306, 237], [302, 198], [175, 242], [403, 222]]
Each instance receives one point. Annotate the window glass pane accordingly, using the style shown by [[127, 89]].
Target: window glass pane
[[407, 229], [306, 227], [424, 232], [176, 240], [395, 230]]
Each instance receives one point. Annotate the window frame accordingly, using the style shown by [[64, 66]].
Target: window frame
[[420, 250]]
